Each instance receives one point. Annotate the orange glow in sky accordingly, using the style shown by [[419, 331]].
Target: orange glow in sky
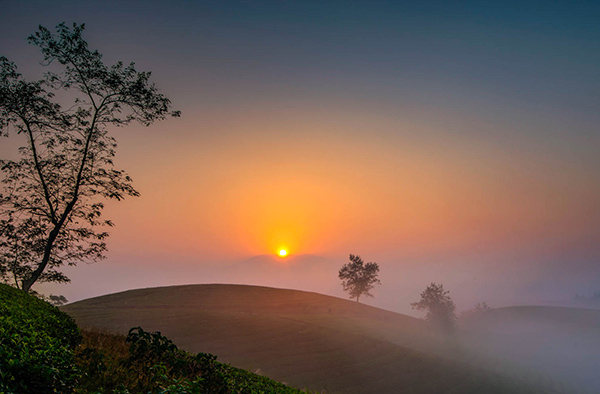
[[450, 149], [324, 194]]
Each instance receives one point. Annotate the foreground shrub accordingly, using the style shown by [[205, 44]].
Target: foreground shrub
[[42, 351], [148, 362], [36, 345]]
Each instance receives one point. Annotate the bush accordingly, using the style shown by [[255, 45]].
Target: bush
[[162, 366], [36, 345], [153, 364], [41, 351]]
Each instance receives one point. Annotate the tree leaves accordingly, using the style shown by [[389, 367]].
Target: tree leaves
[[49, 209], [439, 306], [359, 278]]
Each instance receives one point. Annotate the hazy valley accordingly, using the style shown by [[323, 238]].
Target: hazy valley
[[319, 342]]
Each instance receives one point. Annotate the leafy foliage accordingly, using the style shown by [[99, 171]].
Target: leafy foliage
[[42, 351], [57, 300], [153, 364], [50, 212], [359, 278], [36, 345], [439, 306]]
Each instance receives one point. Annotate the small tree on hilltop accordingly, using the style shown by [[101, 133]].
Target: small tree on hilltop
[[359, 278], [51, 198], [481, 308], [439, 306]]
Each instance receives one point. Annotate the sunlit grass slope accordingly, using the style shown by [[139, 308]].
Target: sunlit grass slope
[[300, 338]]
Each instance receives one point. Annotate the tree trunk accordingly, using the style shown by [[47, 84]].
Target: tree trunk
[[48, 249], [27, 283]]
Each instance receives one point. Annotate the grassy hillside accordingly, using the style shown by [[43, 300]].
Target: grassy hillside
[[149, 363], [42, 351], [301, 338]]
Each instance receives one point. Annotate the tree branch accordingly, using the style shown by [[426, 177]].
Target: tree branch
[[39, 170]]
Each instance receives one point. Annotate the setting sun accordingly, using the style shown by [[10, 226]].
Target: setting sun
[[283, 253]]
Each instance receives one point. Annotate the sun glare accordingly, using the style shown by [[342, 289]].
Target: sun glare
[[283, 253]]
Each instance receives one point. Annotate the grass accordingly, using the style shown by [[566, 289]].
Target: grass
[[43, 351], [146, 362], [303, 339]]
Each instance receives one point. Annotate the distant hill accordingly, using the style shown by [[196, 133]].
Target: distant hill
[[559, 341], [303, 339]]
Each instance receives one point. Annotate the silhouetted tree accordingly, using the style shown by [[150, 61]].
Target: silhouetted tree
[[481, 308], [439, 306], [50, 201], [57, 300], [359, 278]]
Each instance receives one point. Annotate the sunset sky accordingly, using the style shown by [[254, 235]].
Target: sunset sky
[[450, 143]]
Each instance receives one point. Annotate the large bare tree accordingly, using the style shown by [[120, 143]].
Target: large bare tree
[[51, 198]]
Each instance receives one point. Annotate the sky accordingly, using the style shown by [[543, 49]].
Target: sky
[[452, 143]]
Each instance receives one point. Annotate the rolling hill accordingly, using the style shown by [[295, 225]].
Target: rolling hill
[[304, 339], [558, 341]]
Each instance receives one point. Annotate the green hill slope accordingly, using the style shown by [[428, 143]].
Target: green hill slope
[[300, 338]]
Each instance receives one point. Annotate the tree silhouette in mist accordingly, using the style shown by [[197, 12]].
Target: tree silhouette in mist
[[441, 311]]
